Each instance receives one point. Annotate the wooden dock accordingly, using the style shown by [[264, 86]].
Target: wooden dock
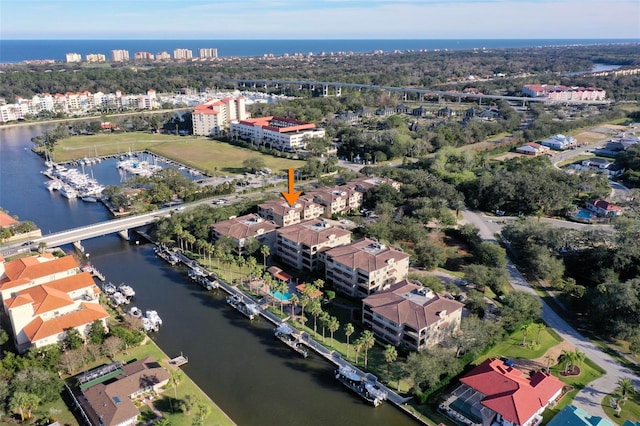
[[178, 361]]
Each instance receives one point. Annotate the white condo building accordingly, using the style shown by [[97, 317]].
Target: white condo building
[[208, 53], [285, 134], [213, 117], [119, 55], [73, 57], [182, 54]]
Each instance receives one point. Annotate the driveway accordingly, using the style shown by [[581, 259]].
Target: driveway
[[590, 397]]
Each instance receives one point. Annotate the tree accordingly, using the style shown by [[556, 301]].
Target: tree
[[390, 355], [348, 331], [4, 338], [265, 251], [324, 321], [334, 325], [315, 309], [23, 403], [46, 385], [254, 164], [188, 402], [175, 379], [112, 346], [97, 332], [72, 339], [368, 341], [540, 327], [626, 388], [525, 330], [519, 308]]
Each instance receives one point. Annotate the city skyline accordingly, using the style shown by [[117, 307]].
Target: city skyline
[[320, 19]]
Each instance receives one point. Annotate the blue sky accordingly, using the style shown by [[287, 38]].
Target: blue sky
[[319, 19]]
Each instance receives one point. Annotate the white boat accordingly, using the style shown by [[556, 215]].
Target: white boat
[[68, 192], [119, 298], [126, 290], [250, 310], [154, 317], [89, 199], [149, 325], [286, 335], [53, 184], [367, 389], [109, 288], [135, 312]]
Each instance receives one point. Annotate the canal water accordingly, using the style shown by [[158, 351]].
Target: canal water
[[253, 377]]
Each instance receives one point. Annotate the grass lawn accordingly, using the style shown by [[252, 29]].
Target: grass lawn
[[200, 153], [512, 347], [630, 408]]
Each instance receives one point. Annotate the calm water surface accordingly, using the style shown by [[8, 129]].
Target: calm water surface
[[254, 378]]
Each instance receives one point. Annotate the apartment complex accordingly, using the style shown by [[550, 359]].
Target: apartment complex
[[208, 53], [364, 267], [299, 245], [282, 214], [564, 93], [285, 134], [144, 56], [337, 199], [119, 55], [163, 56], [241, 228], [95, 57], [182, 54], [73, 57], [213, 117], [411, 315], [44, 296]]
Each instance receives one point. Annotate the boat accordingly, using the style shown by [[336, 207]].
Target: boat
[[153, 317], [286, 335], [89, 199], [53, 184], [250, 310], [126, 290], [68, 192], [167, 256], [149, 325], [119, 298], [368, 390], [135, 312], [109, 288]]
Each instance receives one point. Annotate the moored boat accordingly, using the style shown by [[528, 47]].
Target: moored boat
[[153, 318], [368, 390], [286, 335], [126, 290], [119, 298], [109, 288], [167, 256], [250, 310], [135, 312], [89, 199]]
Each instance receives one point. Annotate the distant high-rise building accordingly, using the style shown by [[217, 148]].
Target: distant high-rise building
[[208, 52], [163, 56], [144, 56], [182, 54], [74, 57], [96, 57], [119, 55]]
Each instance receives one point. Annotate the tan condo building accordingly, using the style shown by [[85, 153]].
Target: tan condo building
[[119, 55], [213, 117], [241, 228], [284, 134], [337, 199], [280, 212], [364, 267], [411, 315], [299, 245]]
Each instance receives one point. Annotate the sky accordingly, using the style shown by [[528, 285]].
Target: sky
[[319, 19]]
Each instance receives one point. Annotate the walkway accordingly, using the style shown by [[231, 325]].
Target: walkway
[[590, 397]]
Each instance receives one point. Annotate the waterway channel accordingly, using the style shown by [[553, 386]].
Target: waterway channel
[[253, 377]]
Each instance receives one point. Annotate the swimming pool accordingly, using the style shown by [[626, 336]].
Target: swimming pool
[[281, 296], [584, 214]]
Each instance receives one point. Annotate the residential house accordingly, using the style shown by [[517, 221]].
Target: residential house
[[559, 142], [494, 393], [109, 392], [403, 109], [445, 112], [241, 228], [300, 244], [533, 149], [365, 113], [348, 117], [602, 166], [364, 267], [40, 315], [604, 208], [411, 315], [7, 221], [385, 111]]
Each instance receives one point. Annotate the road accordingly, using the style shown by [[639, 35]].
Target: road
[[590, 397]]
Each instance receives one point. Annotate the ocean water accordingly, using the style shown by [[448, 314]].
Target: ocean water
[[12, 51]]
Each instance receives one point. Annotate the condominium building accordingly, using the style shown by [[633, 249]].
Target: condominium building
[[96, 57], [364, 267], [564, 93], [285, 134], [411, 315], [148, 101], [213, 117], [337, 199], [119, 55], [299, 245], [241, 228], [208, 53], [182, 54], [282, 214], [144, 56], [163, 56], [73, 57]]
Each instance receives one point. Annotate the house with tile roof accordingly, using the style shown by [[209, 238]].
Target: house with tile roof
[[241, 228], [6, 221], [20, 274], [533, 149], [411, 315], [364, 267], [110, 401], [604, 208], [494, 393], [40, 315], [298, 245]]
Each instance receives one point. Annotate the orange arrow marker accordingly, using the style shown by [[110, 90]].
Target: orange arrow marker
[[291, 196]]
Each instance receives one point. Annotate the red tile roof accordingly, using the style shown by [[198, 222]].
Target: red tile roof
[[23, 270], [507, 392], [6, 220], [39, 329]]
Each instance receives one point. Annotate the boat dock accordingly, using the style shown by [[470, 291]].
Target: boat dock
[[178, 361]]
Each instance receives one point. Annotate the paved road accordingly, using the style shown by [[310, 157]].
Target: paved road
[[590, 397]]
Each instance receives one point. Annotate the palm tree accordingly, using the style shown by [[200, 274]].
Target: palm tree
[[569, 359], [304, 301], [23, 403], [525, 329], [390, 355], [324, 321], [265, 251], [294, 300], [369, 340], [348, 331], [578, 358], [626, 388], [357, 347], [333, 325], [540, 328], [175, 379], [315, 309]]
